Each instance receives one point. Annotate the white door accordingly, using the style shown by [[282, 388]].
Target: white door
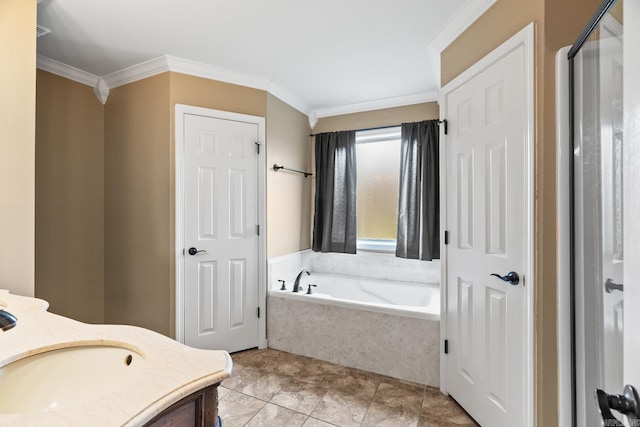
[[220, 233], [631, 166], [489, 221]]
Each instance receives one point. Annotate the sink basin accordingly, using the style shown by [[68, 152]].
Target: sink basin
[[65, 377]]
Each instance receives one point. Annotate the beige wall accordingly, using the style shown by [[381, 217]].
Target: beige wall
[[69, 198], [127, 152], [288, 195], [557, 25], [378, 118], [137, 183], [17, 145], [217, 95]]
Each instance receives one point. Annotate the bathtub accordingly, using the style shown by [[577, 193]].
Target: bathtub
[[419, 300], [388, 327]]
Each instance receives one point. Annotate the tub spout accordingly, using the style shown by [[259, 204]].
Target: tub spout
[[296, 284]]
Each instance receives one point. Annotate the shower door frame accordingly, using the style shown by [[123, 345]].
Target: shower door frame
[[565, 183]]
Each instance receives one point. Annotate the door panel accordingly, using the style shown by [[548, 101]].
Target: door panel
[[487, 317], [465, 200], [207, 291], [221, 217], [495, 203]]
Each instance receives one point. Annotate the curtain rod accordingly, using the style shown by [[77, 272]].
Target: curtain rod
[[391, 126], [277, 167]]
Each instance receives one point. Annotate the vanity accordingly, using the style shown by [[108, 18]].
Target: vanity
[[56, 371]]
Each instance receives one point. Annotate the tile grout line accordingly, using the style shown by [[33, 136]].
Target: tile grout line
[[370, 403], [424, 391]]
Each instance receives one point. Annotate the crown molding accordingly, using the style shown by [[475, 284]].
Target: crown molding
[[379, 104], [137, 72], [66, 71], [313, 119], [101, 90], [460, 21], [162, 64], [212, 72], [289, 98]]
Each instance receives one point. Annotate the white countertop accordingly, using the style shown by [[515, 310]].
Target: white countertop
[[171, 371]]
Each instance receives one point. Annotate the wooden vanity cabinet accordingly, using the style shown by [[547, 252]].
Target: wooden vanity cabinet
[[199, 409]]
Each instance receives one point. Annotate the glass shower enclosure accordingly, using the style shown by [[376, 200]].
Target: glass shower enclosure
[[596, 211]]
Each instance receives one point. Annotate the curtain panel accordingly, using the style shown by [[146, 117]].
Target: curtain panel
[[334, 223], [419, 201]]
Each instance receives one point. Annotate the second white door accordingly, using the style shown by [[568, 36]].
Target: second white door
[[220, 233], [488, 218]]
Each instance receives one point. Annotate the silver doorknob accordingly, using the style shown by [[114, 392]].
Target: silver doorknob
[[193, 251]]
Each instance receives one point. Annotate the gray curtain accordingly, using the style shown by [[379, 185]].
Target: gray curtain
[[334, 223], [419, 205]]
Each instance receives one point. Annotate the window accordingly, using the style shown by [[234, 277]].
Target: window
[[378, 159]]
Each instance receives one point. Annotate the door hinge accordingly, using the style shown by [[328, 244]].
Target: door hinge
[[446, 346], [258, 312], [258, 146], [258, 229], [446, 237], [446, 125]]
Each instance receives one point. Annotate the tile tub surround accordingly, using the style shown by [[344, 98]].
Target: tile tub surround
[[313, 393], [171, 371], [364, 264], [398, 346]]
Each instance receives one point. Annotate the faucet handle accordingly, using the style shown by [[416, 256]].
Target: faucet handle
[[309, 289], [283, 287]]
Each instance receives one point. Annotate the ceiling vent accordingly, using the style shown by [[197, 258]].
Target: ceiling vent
[[41, 31]]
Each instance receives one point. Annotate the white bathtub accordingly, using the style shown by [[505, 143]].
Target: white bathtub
[[388, 327], [418, 300]]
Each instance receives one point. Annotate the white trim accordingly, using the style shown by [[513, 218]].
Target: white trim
[[524, 38], [180, 111], [378, 104], [212, 72], [166, 63], [313, 119], [379, 135], [66, 71], [101, 90], [563, 293], [290, 98], [443, 249], [137, 72], [377, 245], [459, 22]]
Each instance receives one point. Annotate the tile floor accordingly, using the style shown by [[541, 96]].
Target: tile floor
[[274, 388]]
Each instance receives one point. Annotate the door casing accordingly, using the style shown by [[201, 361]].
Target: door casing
[[180, 111], [524, 37]]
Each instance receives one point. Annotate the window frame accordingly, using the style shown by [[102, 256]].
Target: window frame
[[370, 136]]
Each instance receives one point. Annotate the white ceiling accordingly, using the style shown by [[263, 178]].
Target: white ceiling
[[328, 53]]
